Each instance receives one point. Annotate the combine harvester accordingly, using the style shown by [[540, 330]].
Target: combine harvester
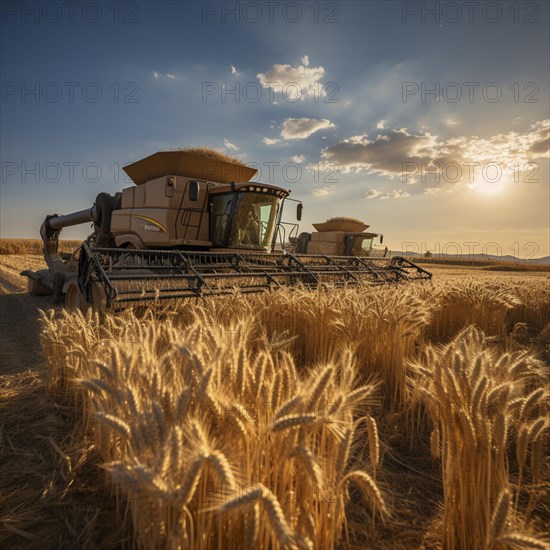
[[340, 236], [187, 229]]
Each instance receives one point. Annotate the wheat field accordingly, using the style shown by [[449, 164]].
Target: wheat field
[[394, 417], [409, 416]]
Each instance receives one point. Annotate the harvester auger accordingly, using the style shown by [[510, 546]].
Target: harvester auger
[[186, 229]]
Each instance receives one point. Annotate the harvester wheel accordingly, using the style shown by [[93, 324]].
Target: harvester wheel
[[36, 289], [58, 282], [99, 298], [74, 299]]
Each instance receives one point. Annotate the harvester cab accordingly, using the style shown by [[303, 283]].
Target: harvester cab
[[194, 224], [362, 244], [191, 202]]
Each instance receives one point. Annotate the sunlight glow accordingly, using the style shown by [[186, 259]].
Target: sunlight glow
[[488, 187]]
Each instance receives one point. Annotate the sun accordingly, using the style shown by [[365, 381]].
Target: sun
[[490, 188]]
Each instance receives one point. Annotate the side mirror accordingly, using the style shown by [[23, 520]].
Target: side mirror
[[194, 190], [170, 184], [381, 239], [299, 209]]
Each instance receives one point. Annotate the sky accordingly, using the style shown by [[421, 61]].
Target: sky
[[430, 121]]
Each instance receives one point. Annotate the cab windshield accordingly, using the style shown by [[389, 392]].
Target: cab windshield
[[362, 246], [244, 220]]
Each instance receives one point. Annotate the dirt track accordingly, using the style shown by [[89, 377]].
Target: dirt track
[[26, 462], [19, 327], [37, 466]]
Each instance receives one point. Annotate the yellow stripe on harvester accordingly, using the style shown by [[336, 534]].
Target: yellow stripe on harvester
[[154, 222]]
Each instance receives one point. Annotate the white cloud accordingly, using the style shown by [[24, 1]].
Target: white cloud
[[380, 124], [451, 122], [399, 194], [228, 145], [301, 128], [296, 82], [269, 141], [395, 194], [323, 191], [298, 159], [372, 194], [504, 148], [234, 70], [431, 190], [158, 75], [414, 156], [383, 155]]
